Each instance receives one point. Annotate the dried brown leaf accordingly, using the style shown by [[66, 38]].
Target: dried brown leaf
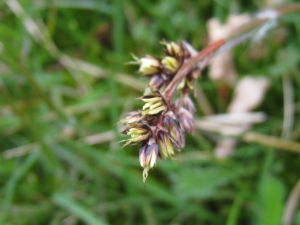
[[222, 68], [249, 93]]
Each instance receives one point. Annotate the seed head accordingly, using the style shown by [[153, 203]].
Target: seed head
[[159, 127]]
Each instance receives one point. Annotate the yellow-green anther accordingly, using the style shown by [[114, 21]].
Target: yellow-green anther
[[137, 135], [151, 100], [185, 83], [173, 47], [170, 63], [153, 105], [133, 119], [137, 138], [190, 84], [169, 147], [166, 147], [157, 110], [153, 111], [147, 105], [162, 148], [156, 105], [173, 134], [134, 131], [181, 85]]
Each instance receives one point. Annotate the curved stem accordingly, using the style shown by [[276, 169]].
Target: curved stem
[[187, 66], [247, 27], [234, 39], [289, 9]]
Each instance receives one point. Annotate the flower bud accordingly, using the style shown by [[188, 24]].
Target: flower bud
[[166, 144], [170, 64], [156, 82], [148, 155], [173, 49], [188, 104], [138, 134], [149, 65], [133, 117], [181, 85], [155, 104], [185, 82], [186, 119], [176, 132]]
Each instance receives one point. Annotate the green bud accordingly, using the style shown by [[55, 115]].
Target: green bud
[[170, 64], [149, 66]]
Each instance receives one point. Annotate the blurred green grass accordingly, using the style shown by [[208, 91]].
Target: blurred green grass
[[64, 85]]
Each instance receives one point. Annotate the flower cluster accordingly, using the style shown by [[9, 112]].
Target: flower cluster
[[162, 70], [159, 127]]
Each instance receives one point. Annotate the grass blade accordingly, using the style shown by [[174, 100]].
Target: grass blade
[[78, 210]]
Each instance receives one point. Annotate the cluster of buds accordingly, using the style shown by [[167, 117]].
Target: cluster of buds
[[162, 70], [159, 127]]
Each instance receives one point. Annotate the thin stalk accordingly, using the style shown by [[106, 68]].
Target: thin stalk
[[291, 205], [272, 141], [231, 41], [118, 19], [289, 9], [11, 185], [183, 71]]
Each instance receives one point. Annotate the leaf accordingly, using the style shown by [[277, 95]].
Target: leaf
[[202, 183], [78, 210], [271, 202]]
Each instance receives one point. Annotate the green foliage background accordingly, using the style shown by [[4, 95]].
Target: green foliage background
[[54, 100]]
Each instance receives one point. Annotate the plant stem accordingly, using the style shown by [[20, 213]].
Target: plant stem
[[232, 40], [272, 141], [289, 9], [187, 66]]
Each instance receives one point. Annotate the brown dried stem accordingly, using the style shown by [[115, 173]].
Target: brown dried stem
[[291, 205], [272, 141]]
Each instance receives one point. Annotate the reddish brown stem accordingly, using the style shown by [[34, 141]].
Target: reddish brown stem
[[187, 66], [245, 28], [256, 22], [288, 9]]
